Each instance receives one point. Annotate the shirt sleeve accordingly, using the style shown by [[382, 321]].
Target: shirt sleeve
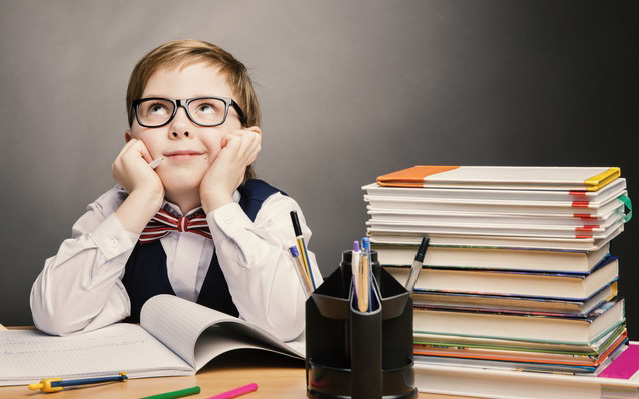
[[257, 266], [79, 288]]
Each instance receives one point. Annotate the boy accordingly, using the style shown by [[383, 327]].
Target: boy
[[217, 236]]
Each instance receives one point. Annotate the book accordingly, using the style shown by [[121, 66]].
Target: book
[[522, 327], [614, 189], [513, 208], [2, 328], [492, 230], [505, 242], [549, 366], [518, 355], [515, 283], [175, 337], [503, 177], [492, 258], [515, 303], [516, 384], [410, 217], [594, 347]]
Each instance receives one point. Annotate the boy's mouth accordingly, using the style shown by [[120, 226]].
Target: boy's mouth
[[183, 154]]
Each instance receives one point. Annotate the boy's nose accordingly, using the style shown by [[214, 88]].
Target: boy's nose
[[180, 125]]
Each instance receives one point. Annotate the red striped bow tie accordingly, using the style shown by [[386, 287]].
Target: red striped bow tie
[[163, 223]]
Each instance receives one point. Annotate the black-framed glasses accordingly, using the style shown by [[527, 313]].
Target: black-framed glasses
[[203, 111]]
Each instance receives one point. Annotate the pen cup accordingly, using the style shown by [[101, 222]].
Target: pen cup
[[359, 355]]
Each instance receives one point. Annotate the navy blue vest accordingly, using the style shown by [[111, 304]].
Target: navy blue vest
[[146, 275]]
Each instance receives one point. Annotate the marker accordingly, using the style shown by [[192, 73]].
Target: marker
[[175, 394], [154, 164], [416, 267], [301, 246], [56, 384], [234, 393], [369, 273], [301, 271], [355, 255]]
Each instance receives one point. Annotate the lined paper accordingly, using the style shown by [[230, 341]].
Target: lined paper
[[27, 356]]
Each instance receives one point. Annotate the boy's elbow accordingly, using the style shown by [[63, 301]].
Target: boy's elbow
[[49, 321], [53, 324]]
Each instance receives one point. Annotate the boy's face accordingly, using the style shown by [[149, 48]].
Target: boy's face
[[188, 149]]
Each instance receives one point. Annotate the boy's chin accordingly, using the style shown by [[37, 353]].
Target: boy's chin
[[183, 185]]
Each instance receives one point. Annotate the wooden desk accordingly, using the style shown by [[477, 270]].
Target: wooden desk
[[278, 377]]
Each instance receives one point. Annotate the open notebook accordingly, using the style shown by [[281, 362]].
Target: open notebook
[[175, 337]]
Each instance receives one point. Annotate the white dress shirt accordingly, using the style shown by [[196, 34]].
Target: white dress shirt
[[80, 288]]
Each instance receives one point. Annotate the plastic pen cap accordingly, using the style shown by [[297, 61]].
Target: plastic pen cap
[[355, 246], [366, 243], [296, 224], [421, 253], [294, 251]]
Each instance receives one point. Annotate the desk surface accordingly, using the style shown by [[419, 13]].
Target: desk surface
[[278, 377]]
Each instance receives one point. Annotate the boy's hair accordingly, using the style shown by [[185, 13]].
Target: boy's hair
[[182, 53]]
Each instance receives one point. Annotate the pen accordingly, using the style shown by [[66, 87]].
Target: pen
[[154, 164], [175, 394], [369, 273], [416, 267], [301, 246], [363, 290], [233, 393], [355, 268], [56, 384], [301, 271]]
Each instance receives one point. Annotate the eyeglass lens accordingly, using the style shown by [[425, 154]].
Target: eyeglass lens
[[204, 111]]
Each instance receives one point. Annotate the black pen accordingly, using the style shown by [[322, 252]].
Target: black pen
[[416, 267]]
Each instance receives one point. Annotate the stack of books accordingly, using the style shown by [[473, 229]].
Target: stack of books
[[518, 274]]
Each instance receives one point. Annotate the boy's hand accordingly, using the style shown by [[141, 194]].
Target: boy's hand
[[239, 149], [132, 171]]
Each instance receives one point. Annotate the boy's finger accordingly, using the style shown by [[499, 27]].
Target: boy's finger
[[141, 149], [127, 146]]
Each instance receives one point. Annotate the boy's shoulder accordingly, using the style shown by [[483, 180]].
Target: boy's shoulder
[[111, 200]]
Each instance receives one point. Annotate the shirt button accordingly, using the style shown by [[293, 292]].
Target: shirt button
[[229, 220], [114, 242]]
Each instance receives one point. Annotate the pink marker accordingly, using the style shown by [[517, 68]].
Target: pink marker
[[234, 393]]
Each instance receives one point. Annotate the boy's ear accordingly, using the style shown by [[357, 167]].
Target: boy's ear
[[128, 135]]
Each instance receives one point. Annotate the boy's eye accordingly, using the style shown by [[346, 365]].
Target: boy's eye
[[158, 109], [207, 108]]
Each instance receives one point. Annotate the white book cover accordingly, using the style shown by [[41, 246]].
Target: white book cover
[[507, 242], [503, 177], [613, 189]]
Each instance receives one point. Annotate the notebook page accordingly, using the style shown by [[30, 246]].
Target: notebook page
[[27, 356], [178, 324]]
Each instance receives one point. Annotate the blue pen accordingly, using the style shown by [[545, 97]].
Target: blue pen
[[366, 243], [56, 384], [301, 246]]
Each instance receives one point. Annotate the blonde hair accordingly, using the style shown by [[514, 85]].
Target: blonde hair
[[182, 53]]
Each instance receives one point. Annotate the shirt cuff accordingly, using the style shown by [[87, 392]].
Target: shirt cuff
[[226, 221], [111, 238]]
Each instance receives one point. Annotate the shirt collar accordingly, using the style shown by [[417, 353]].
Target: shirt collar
[[175, 210]]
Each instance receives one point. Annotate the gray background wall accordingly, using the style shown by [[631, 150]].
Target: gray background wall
[[350, 90]]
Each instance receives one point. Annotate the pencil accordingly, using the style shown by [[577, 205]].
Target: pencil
[[175, 394]]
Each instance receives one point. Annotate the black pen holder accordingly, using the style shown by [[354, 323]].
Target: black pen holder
[[359, 355]]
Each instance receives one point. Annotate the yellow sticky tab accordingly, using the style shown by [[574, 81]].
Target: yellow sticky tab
[[595, 183]]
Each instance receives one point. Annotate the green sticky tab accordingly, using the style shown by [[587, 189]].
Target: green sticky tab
[[626, 201]]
